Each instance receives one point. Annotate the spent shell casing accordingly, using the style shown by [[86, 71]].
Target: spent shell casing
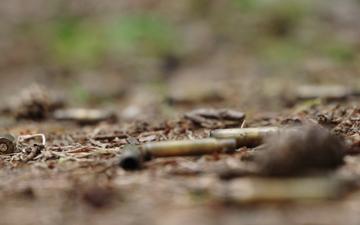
[[189, 147], [132, 158], [245, 137], [134, 155], [7, 144]]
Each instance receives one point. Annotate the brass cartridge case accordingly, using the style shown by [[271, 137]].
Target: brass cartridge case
[[133, 156], [188, 147], [245, 137], [7, 144]]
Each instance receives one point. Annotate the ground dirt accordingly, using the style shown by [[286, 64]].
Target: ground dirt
[[151, 63], [76, 180]]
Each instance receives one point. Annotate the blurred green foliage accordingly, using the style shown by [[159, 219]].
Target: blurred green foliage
[[274, 32], [291, 9], [76, 41], [338, 51], [270, 30], [145, 33], [246, 4], [280, 51], [80, 95]]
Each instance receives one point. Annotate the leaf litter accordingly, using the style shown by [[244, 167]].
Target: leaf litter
[[81, 163]]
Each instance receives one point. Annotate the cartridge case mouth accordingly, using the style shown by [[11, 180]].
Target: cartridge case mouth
[[7, 144], [131, 163], [245, 137], [132, 158]]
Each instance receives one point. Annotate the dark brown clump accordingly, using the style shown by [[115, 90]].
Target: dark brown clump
[[299, 151], [98, 197], [34, 103], [27, 193]]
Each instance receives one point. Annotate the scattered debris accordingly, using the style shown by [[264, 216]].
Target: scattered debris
[[84, 116], [354, 143], [249, 137], [110, 137], [29, 147], [23, 138], [30, 152], [300, 150], [216, 118]]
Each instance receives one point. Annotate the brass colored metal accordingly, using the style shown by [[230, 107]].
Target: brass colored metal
[[249, 137], [188, 147], [134, 155], [7, 144]]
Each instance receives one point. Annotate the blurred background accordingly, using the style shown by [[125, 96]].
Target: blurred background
[[154, 58]]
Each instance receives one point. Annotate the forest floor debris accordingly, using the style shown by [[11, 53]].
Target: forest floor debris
[[212, 118], [80, 164]]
